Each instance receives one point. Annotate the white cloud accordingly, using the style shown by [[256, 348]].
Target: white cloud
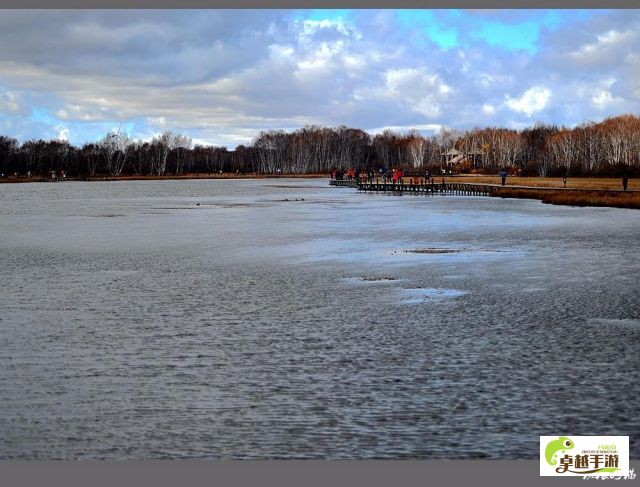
[[425, 129], [11, 102], [488, 109], [319, 62], [603, 98], [417, 89], [312, 27], [157, 121], [281, 53], [63, 133], [533, 100], [90, 111], [604, 42]]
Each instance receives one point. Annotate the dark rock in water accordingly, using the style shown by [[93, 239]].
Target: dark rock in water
[[434, 250], [369, 280], [442, 250]]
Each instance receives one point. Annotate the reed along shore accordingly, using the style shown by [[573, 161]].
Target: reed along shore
[[616, 199]]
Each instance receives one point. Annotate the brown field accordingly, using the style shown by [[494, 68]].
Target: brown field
[[582, 191], [575, 198], [579, 183]]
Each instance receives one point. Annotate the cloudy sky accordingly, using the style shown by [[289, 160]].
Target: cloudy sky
[[222, 76]]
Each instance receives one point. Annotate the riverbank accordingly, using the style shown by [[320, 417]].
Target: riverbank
[[572, 183], [617, 199], [578, 191], [583, 192], [20, 179], [575, 183]]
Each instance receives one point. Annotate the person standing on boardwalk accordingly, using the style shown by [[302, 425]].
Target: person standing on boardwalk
[[625, 182], [503, 176]]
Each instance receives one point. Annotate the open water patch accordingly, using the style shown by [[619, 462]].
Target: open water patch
[[425, 295], [633, 323]]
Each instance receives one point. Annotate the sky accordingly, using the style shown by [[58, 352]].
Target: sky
[[222, 76]]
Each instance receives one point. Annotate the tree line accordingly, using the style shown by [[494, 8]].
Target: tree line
[[607, 148]]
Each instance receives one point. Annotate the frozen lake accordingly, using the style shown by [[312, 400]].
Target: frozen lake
[[216, 319]]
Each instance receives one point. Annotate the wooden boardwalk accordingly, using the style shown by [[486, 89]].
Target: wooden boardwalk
[[419, 186], [347, 183], [462, 189], [408, 186]]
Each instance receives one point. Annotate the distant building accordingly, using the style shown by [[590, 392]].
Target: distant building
[[454, 157]]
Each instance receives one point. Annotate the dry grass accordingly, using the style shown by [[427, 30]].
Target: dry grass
[[575, 198], [580, 183]]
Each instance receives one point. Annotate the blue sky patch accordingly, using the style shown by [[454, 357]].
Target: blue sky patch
[[512, 37]]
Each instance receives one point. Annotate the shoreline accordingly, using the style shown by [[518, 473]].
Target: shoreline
[[582, 192], [169, 177], [575, 197], [582, 183], [579, 191]]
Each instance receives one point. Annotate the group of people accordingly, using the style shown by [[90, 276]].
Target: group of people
[[350, 175], [393, 174]]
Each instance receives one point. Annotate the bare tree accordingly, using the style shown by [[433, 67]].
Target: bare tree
[[113, 148], [417, 149]]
